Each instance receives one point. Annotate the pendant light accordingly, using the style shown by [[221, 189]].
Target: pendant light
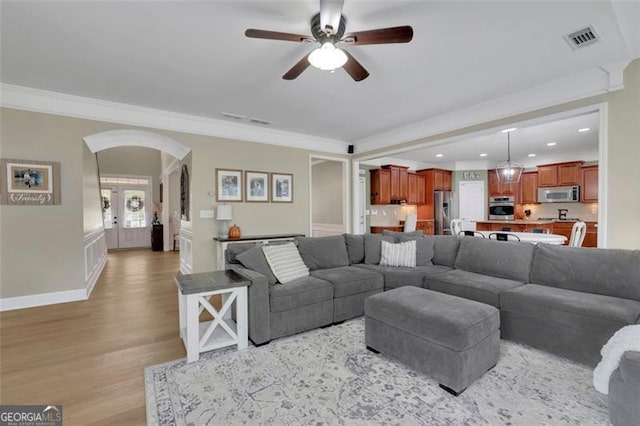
[[509, 171]]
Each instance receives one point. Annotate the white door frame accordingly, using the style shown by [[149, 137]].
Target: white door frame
[[346, 190]]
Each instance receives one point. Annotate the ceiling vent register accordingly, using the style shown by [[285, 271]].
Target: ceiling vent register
[[582, 38]]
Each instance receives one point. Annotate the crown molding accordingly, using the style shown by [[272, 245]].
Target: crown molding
[[589, 83], [30, 99]]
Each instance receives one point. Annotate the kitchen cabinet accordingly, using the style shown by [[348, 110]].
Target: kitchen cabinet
[[591, 237], [379, 229], [380, 186], [589, 187], [421, 197], [497, 188], [426, 226], [404, 184], [399, 182], [437, 179], [560, 174], [528, 193], [413, 188]]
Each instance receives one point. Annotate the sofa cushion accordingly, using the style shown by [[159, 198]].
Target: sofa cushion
[[445, 250], [425, 251], [285, 262], [372, 247], [234, 249], [299, 293], [608, 272], [593, 313], [254, 259], [323, 252], [395, 277], [510, 260], [470, 285], [350, 280], [400, 237], [398, 254], [355, 248]]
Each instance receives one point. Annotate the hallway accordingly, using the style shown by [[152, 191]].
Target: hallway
[[89, 356]]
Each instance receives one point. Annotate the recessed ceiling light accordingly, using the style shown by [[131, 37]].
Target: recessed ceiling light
[[484, 154], [551, 144], [584, 129], [439, 155], [532, 155], [509, 130]]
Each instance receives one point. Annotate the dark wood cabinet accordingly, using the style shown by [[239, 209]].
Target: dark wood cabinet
[[379, 229], [559, 174], [589, 187], [395, 183], [412, 182], [421, 197], [157, 239], [528, 188], [497, 188], [437, 179], [447, 180], [380, 186], [591, 237], [404, 184]]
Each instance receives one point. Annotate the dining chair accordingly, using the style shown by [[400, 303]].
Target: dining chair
[[456, 226], [502, 236], [410, 222], [578, 232], [471, 234]]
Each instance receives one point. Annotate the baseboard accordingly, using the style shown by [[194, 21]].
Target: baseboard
[[35, 300], [96, 274]]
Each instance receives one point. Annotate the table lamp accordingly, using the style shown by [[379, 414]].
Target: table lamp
[[224, 215]]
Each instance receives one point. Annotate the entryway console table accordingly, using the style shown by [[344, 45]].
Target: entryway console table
[[222, 243], [194, 294]]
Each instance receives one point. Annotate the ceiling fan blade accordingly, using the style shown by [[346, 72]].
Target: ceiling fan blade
[[330, 13], [275, 35], [297, 69], [354, 69], [384, 35]]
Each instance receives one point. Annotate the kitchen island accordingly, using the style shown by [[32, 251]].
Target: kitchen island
[[518, 225]]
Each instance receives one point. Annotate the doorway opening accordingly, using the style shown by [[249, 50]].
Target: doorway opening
[[329, 198]]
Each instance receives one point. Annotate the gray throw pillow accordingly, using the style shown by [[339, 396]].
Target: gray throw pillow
[[425, 251], [323, 252], [355, 248], [234, 249], [373, 247], [400, 237], [254, 259]]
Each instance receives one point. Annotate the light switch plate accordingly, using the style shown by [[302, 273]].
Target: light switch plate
[[206, 214]]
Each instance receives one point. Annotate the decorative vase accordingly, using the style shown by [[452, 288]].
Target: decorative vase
[[234, 231]]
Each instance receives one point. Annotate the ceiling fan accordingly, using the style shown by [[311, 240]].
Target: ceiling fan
[[328, 29]]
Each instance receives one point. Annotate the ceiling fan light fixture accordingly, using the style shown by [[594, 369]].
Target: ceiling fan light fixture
[[327, 57]]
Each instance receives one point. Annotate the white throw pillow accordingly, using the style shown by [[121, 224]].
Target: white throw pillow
[[285, 262], [399, 254]]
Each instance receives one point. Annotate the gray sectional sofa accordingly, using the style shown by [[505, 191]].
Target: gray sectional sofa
[[567, 301]]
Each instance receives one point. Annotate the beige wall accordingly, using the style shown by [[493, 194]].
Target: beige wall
[[133, 160], [52, 257], [327, 192], [91, 198], [623, 154]]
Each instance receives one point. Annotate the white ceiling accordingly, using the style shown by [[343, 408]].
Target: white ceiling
[[570, 144], [193, 58]]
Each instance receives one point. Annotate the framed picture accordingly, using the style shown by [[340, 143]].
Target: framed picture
[[229, 184], [30, 182], [256, 187], [281, 188]]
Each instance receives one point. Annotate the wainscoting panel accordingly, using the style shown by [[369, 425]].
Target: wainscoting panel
[[326, 229], [95, 257], [186, 252]]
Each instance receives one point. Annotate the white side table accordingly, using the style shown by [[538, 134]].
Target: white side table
[[194, 294]]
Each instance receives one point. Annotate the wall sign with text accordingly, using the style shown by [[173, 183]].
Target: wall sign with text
[[29, 182]]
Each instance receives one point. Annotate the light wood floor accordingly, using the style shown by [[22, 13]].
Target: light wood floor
[[89, 356]]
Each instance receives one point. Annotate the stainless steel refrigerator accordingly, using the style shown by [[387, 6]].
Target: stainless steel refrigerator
[[442, 212]]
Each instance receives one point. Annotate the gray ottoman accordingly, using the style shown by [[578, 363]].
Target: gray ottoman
[[451, 339]]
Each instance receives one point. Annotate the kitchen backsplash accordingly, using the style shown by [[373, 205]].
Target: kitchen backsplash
[[389, 215], [584, 211]]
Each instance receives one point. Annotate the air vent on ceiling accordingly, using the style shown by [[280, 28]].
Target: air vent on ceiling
[[259, 121], [582, 38], [234, 116]]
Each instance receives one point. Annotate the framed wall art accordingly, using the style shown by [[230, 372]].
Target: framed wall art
[[229, 185], [256, 187], [27, 182], [281, 187]]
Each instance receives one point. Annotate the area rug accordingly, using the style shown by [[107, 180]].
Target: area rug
[[327, 376]]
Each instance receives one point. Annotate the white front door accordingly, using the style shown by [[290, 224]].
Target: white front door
[[110, 216], [134, 222]]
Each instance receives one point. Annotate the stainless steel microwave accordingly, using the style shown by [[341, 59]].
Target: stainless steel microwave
[[559, 194]]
